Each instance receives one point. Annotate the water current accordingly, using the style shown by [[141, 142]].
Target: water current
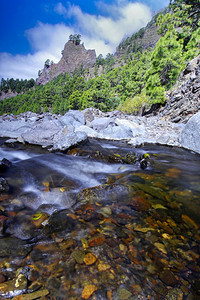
[[95, 225]]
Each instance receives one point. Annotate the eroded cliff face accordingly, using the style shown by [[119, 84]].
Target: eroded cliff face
[[184, 99], [148, 40], [73, 57]]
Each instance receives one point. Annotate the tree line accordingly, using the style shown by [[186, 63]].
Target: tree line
[[16, 85]]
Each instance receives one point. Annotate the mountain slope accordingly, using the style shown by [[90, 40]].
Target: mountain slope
[[145, 38]]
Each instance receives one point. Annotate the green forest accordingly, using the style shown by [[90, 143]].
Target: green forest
[[140, 78]]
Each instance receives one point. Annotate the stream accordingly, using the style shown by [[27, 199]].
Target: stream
[[92, 224]]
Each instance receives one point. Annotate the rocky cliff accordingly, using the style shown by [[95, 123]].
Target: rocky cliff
[[184, 100], [73, 57], [142, 40], [9, 94]]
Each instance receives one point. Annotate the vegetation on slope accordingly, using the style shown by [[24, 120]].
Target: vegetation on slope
[[16, 85], [142, 81]]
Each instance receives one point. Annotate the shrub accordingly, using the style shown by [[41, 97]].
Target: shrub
[[134, 105]]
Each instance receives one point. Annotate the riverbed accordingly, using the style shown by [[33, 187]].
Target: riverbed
[[92, 224]]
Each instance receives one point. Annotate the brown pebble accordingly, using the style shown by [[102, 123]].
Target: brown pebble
[[168, 278], [2, 278]]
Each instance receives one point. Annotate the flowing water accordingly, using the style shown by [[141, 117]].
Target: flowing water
[[94, 225]]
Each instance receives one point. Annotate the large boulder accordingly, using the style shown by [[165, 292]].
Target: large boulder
[[116, 133], [126, 123], [13, 129], [101, 123], [190, 136], [89, 131], [74, 118], [69, 140], [43, 133]]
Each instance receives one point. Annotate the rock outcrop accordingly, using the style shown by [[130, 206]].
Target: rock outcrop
[[184, 100], [73, 57]]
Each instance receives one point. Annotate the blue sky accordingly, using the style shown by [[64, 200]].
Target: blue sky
[[35, 30]]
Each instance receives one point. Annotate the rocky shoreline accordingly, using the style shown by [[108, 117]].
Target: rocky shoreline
[[59, 133]]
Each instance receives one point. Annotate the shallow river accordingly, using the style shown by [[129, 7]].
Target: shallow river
[[92, 224]]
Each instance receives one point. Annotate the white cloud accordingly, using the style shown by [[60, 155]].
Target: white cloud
[[47, 41], [60, 9], [47, 37], [102, 33], [21, 66], [130, 18]]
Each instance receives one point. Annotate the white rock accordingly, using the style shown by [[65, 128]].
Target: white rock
[[126, 123], [89, 131]]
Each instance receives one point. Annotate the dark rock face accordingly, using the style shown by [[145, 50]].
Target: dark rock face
[[74, 56], [183, 102]]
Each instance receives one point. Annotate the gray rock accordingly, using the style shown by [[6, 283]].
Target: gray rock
[[101, 123], [62, 132], [138, 141], [74, 118], [33, 119], [196, 87], [69, 140], [190, 136], [92, 113], [89, 131], [126, 123], [68, 129], [42, 134], [3, 185], [77, 115], [138, 131], [163, 139], [13, 129], [116, 133]]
